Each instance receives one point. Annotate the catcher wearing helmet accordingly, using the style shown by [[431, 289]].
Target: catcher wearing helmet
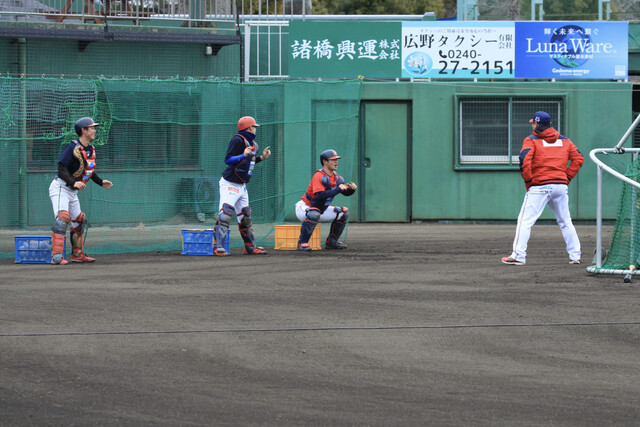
[[241, 157], [314, 205], [76, 167]]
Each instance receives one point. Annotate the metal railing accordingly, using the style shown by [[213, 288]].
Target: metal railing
[[194, 12], [548, 10], [602, 166], [268, 58], [191, 12]]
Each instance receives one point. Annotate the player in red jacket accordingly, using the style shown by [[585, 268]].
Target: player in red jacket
[[543, 163]]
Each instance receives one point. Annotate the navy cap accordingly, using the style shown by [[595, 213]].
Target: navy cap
[[541, 118], [84, 122], [329, 155]]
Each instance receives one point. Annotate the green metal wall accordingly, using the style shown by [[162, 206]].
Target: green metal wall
[[56, 57], [597, 114]]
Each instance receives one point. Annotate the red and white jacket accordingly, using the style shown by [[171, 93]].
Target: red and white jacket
[[544, 158]]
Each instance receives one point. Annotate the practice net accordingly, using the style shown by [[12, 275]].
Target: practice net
[[625, 241], [162, 143]]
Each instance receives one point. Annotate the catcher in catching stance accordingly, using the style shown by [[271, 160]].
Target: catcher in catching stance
[[75, 168], [240, 159], [543, 163], [314, 207]]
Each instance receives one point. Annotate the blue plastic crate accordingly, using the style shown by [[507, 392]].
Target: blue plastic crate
[[200, 242], [35, 249]]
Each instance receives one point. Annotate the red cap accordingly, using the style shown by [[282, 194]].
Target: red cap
[[246, 122]]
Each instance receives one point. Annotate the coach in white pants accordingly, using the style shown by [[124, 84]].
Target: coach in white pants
[[548, 162]]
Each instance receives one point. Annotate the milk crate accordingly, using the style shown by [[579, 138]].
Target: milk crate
[[200, 242], [35, 249], [287, 237]]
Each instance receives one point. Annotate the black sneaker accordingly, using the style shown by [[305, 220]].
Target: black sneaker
[[334, 244]]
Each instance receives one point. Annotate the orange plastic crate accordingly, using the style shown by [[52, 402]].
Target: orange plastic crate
[[287, 237]]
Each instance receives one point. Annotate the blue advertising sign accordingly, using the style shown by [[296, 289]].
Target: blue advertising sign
[[447, 50], [572, 50], [454, 50]]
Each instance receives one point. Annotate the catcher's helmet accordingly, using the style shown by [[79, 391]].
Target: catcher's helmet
[[246, 122], [84, 122], [329, 155]]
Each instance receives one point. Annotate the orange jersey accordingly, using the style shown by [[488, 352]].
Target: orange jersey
[[322, 189], [545, 157]]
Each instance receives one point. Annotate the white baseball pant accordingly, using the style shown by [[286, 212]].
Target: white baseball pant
[[234, 194], [64, 198], [557, 197], [327, 216]]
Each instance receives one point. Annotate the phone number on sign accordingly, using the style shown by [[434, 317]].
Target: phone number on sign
[[476, 67]]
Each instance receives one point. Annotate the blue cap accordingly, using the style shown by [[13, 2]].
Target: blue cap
[[541, 118]]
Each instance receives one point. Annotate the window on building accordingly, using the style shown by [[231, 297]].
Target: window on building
[[491, 129]]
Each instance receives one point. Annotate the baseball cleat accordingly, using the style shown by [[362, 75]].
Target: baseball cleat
[[258, 250], [334, 244], [62, 262], [220, 252], [303, 247], [512, 261], [81, 257], [574, 261]]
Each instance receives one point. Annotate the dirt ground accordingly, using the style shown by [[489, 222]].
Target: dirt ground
[[413, 324]]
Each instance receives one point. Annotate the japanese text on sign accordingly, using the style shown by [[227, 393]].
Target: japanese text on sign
[[346, 49], [464, 50]]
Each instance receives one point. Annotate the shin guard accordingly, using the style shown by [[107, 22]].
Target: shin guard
[[246, 230], [77, 234], [337, 227], [222, 225], [58, 236], [309, 224]]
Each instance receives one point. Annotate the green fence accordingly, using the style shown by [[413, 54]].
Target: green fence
[[162, 143]]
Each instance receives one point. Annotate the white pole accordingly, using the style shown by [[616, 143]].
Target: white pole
[[247, 51], [599, 218], [628, 132]]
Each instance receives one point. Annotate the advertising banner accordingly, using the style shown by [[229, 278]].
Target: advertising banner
[[458, 49], [572, 50], [344, 49]]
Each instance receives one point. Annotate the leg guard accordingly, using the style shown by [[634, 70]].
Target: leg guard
[[307, 227], [222, 226], [77, 234], [59, 230], [246, 231], [77, 240], [337, 227]]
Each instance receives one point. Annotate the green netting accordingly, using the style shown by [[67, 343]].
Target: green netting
[[625, 242], [162, 143]]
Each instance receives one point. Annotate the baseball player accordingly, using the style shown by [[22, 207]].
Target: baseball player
[[314, 207], [234, 199], [544, 158], [75, 168]]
